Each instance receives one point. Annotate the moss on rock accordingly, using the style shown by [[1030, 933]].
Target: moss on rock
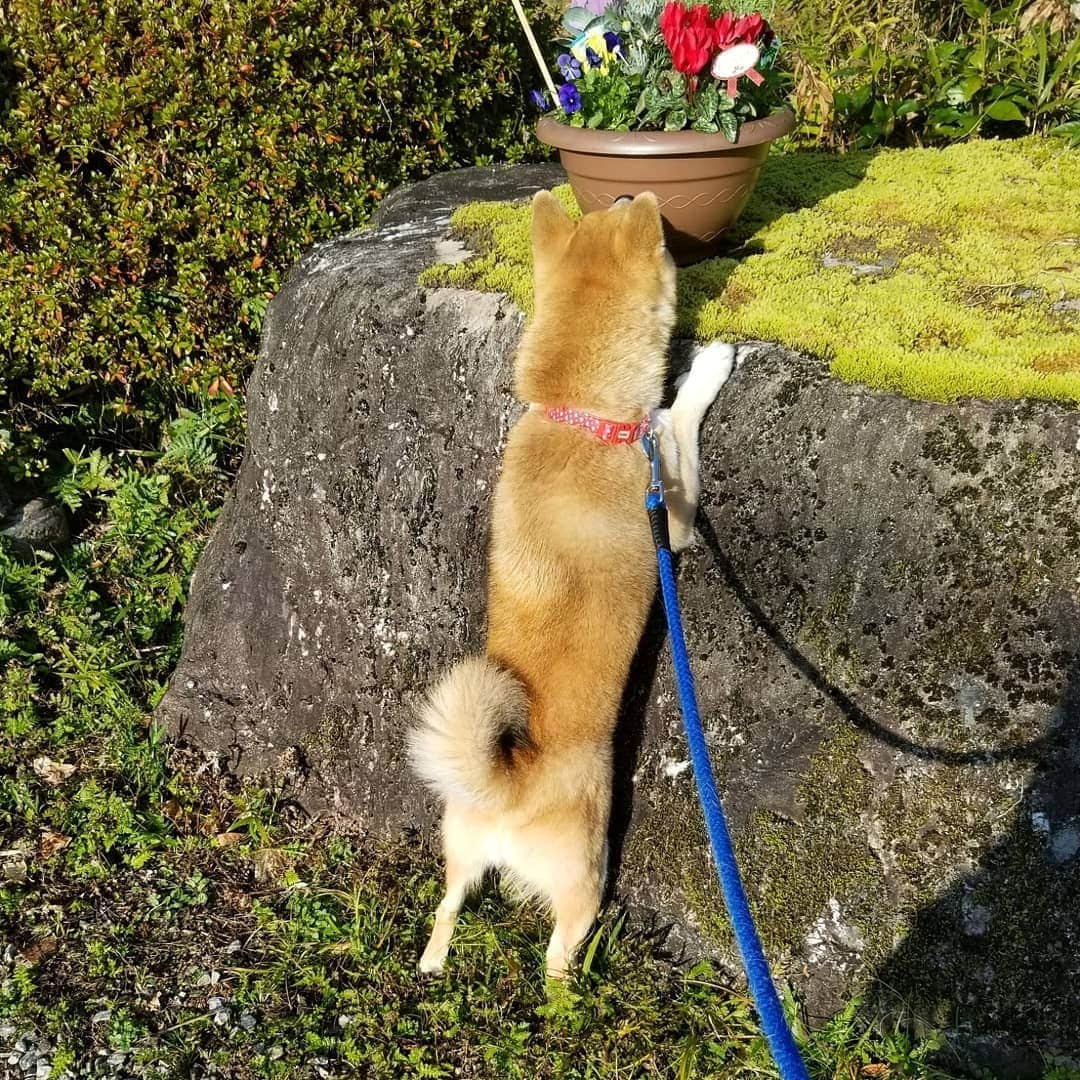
[[796, 868], [935, 273]]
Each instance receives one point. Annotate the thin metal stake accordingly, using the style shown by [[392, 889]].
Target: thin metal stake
[[536, 51]]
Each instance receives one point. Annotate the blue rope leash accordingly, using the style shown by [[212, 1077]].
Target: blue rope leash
[[773, 1022]]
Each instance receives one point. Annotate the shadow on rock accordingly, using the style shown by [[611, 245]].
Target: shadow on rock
[[852, 711], [1011, 925], [629, 734]]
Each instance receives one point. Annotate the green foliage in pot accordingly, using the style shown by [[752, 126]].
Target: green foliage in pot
[[650, 65]]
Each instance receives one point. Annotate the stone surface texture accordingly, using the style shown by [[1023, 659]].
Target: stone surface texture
[[882, 609], [35, 526]]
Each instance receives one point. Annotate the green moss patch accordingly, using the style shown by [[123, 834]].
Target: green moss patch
[[935, 273], [795, 868]]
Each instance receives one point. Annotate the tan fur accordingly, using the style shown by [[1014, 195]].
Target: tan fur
[[519, 741]]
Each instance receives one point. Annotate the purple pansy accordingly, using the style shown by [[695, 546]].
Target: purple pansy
[[592, 58], [539, 99], [568, 65], [569, 98], [613, 43]]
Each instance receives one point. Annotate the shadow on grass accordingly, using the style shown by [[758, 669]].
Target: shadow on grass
[[794, 181], [788, 183]]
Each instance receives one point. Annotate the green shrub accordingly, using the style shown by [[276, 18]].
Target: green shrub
[[89, 634], [164, 164], [925, 73]]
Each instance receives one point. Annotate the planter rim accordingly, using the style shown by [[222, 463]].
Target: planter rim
[[662, 143]]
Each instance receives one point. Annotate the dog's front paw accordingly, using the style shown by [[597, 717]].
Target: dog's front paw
[[710, 369], [433, 961]]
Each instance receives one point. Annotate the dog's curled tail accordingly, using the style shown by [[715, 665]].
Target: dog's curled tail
[[471, 741]]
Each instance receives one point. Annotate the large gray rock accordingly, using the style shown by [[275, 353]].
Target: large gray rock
[[882, 611]]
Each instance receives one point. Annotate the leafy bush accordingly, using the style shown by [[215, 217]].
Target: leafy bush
[[930, 73], [89, 635], [164, 165]]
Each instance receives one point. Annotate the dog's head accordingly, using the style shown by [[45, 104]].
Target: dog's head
[[604, 308]]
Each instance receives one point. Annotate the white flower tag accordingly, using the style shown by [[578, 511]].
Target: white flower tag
[[732, 64], [735, 62]]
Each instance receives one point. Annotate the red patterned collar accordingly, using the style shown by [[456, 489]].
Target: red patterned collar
[[609, 431]]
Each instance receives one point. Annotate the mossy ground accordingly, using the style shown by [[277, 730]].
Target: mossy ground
[[935, 273], [279, 950]]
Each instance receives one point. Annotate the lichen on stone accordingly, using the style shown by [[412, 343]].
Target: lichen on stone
[[796, 868], [935, 273]]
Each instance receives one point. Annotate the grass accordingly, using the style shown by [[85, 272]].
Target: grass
[[938, 274], [285, 951]]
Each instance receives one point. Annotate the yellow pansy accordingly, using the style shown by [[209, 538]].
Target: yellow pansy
[[598, 45]]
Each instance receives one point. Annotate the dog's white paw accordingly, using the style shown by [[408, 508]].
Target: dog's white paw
[[710, 368], [745, 351], [433, 961]]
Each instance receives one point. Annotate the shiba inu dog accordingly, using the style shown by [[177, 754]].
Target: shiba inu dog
[[518, 741]]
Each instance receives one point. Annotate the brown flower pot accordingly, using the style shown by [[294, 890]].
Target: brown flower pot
[[702, 181]]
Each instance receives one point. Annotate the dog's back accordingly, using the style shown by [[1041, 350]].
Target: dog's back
[[518, 741]]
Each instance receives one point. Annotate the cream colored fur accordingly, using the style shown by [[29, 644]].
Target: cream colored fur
[[518, 742]]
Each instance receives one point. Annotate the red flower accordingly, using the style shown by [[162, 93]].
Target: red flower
[[730, 30], [724, 30], [693, 38], [750, 28], [690, 36]]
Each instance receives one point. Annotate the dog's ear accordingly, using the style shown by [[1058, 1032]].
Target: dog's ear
[[643, 227], [551, 226]]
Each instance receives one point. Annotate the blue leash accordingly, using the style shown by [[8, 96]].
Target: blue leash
[[773, 1022]]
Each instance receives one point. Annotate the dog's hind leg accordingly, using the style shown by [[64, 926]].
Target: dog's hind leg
[[679, 428], [464, 868], [446, 916], [576, 906], [562, 857]]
